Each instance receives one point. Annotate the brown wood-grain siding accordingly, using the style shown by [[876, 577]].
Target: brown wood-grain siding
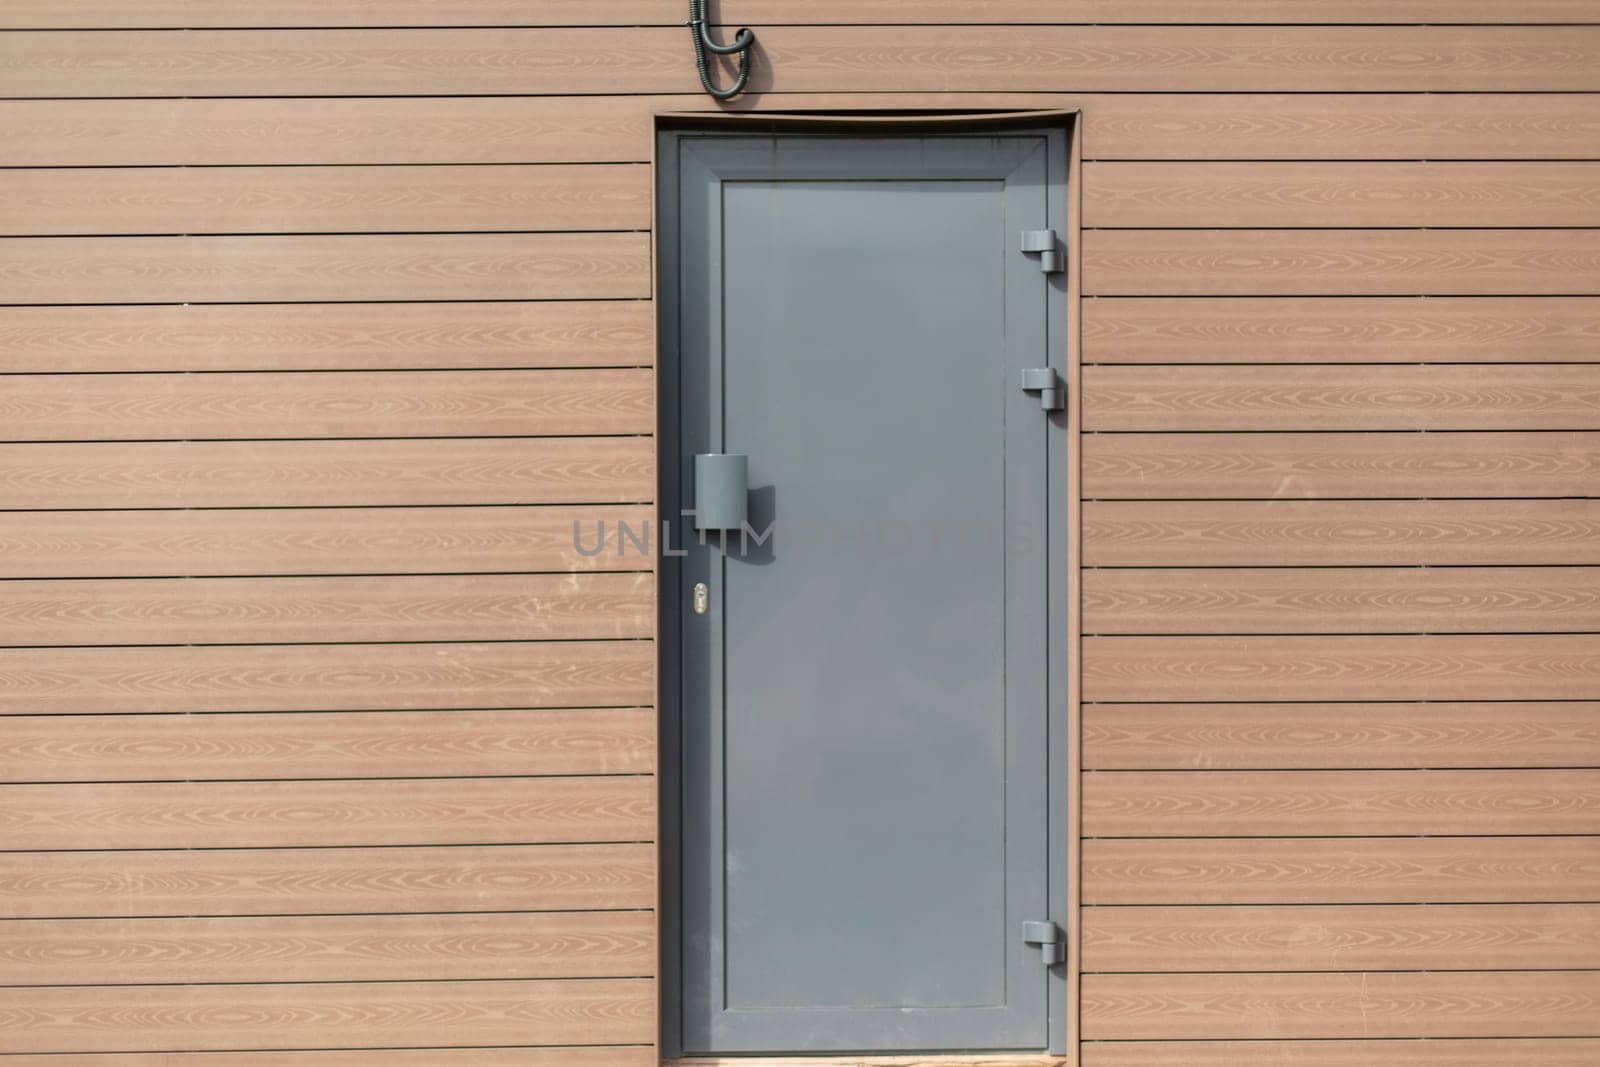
[[1341, 508], [36, 14], [649, 60], [239, 337], [331, 1015], [328, 709], [323, 881], [326, 336], [514, 1056]]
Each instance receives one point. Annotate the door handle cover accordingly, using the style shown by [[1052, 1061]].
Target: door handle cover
[[721, 490]]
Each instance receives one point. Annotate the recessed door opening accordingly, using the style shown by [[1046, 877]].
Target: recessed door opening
[[864, 608]]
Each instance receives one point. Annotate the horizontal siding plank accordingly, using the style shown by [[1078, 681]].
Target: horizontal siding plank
[[1310, 533], [108, 270], [1340, 803], [1469, 1052], [1392, 938], [978, 1059], [396, 744], [1258, 125], [1356, 397], [328, 948], [1417, 870], [363, 62], [406, 1014], [218, 881], [1347, 262], [1377, 667], [1303, 195], [442, 540], [485, 403], [324, 200], [1549, 329], [509, 1056], [77, 681], [405, 811], [1310, 465], [158, 14], [331, 473], [617, 129], [1265, 736], [1484, 1004], [806, 59], [364, 337], [326, 677], [235, 132], [1332, 601], [104, 14], [209, 611]]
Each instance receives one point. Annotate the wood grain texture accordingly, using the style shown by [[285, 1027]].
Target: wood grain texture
[[328, 948], [406, 811], [1311, 465], [1357, 397], [171, 270], [443, 540], [222, 881], [507, 1056], [1472, 1052], [129, 748], [1338, 600], [484, 403], [404, 1014], [1342, 263], [616, 129], [237, 131], [1261, 125], [1437, 870], [1341, 194], [1340, 803], [327, 473], [1380, 667], [1341, 533], [324, 200], [62, 133], [1266, 736], [1483, 1004], [101, 14], [366, 337], [1342, 330], [210, 611], [327, 677], [805, 59], [1342, 938]]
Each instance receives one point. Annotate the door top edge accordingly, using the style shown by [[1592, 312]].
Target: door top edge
[[954, 122]]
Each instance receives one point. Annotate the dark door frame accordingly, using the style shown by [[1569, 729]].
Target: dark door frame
[[1063, 538]]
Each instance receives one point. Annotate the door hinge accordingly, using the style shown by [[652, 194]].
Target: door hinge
[[1044, 243], [1051, 941], [1047, 383]]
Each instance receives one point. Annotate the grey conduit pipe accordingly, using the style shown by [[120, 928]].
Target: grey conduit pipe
[[704, 46]]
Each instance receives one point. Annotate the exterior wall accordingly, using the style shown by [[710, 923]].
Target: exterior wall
[[322, 735]]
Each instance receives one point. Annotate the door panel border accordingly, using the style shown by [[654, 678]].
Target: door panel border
[[1062, 502]]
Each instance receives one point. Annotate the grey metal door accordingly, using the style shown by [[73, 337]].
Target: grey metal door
[[863, 674]]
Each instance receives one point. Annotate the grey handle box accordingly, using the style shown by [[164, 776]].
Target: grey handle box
[[721, 490]]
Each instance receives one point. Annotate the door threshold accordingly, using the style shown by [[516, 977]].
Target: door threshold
[[926, 1060]]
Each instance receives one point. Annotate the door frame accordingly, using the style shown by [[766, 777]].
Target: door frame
[[1063, 543]]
